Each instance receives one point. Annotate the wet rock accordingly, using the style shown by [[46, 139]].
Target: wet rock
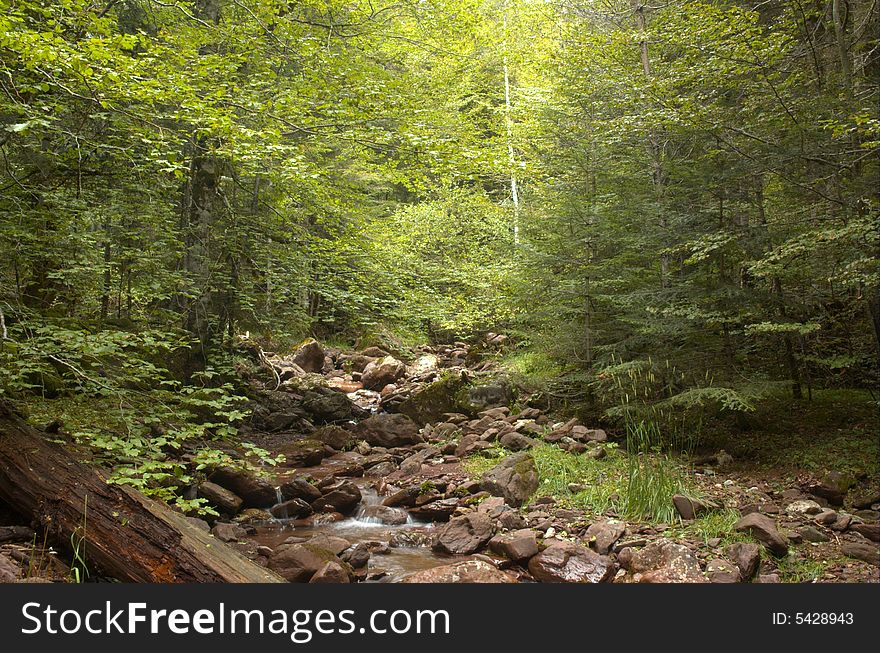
[[466, 534], [255, 492], [332, 572], [380, 514], [342, 497], [299, 488], [252, 516], [517, 545], [666, 562], [567, 562], [388, 430], [220, 497], [302, 453], [381, 372], [309, 356], [336, 545], [516, 441], [329, 407], [864, 551], [335, 437], [763, 528], [292, 509], [297, 563], [440, 510], [515, 478], [382, 469], [690, 508], [603, 534], [747, 556], [723, 571], [469, 571], [358, 556], [409, 539]]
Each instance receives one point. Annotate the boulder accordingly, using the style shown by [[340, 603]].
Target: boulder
[[464, 535], [723, 571], [747, 556], [309, 356], [255, 492], [515, 478], [567, 562], [335, 437], [763, 529], [517, 545], [330, 406], [379, 514], [516, 441], [690, 508], [603, 534], [297, 563], [864, 551], [220, 497], [388, 430], [302, 453], [469, 571], [342, 497], [299, 488], [381, 372], [666, 562], [292, 509], [332, 571], [433, 401]]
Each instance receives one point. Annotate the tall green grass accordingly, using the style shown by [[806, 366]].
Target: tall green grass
[[652, 477]]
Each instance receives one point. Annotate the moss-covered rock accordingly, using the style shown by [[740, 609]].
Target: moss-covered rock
[[429, 403]]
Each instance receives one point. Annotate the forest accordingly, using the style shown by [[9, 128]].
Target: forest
[[488, 291]]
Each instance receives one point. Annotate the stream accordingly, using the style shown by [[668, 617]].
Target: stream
[[388, 563]]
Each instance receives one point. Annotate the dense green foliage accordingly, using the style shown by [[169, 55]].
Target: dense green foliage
[[696, 225]]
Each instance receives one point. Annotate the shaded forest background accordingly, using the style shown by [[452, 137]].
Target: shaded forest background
[[670, 207]]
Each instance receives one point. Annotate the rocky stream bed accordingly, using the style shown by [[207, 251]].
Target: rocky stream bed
[[373, 488]]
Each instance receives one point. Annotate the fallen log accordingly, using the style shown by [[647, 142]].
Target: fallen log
[[128, 536]]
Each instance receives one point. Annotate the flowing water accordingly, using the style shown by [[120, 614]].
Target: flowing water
[[396, 561]]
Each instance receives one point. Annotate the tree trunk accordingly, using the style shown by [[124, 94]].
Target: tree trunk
[[126, 535]]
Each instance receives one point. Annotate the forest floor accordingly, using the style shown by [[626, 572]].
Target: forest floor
[[429, 466]]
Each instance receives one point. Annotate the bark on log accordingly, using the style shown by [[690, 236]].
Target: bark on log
[[127, 536]]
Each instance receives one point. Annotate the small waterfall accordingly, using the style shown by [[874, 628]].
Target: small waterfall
[[279, 499]]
